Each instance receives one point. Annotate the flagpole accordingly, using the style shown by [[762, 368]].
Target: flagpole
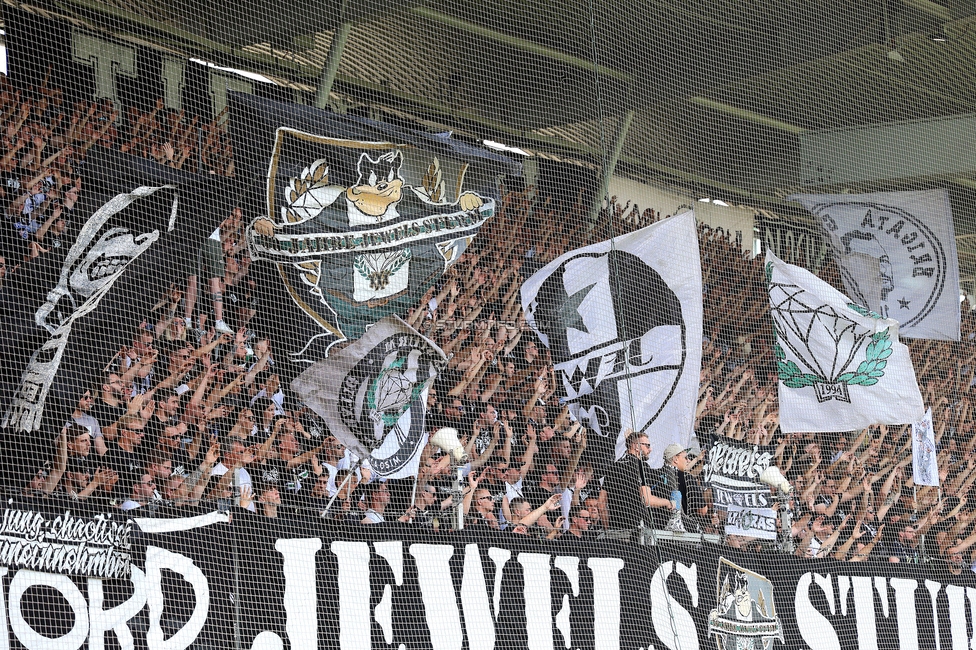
[[352, 470], [413, 495]]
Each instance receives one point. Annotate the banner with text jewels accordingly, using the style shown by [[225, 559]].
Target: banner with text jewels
[[255, 583]]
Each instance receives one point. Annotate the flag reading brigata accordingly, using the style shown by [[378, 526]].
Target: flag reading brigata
[[373, 395], [841, 366], [896, 252], [623, 322]]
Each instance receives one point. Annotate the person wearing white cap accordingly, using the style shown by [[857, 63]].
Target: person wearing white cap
[[679, 482]]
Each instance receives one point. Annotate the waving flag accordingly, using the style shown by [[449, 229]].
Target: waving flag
[[925, 463], [353, 220], [897, 256], [373, 395], [623, 322], [841, 366]]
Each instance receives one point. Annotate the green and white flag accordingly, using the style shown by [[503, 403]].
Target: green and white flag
[[373, 395], [841, 366]]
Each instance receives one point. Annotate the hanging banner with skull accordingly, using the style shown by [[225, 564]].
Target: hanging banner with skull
[[896, 252], [841, 366], [357, 220], [81, 303], [100, 255], [373, 395], [623, 322]]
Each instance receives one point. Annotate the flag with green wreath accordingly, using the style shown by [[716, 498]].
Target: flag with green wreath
[[840, 365]]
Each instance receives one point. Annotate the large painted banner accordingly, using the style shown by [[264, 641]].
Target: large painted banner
[[259, 583], [352, 220], [141, 225]]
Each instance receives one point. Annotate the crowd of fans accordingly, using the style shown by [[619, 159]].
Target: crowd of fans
[[193, 415]]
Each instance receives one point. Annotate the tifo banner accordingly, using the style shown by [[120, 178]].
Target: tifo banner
[[732, 470], [925, 463], [841, 366], [373, 395], [896, 252], [304, 585], [141, 224], [357, 221], [623, 322], [103, 250]]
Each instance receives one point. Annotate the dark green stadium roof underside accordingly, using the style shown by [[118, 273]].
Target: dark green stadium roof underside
[[721, 89]]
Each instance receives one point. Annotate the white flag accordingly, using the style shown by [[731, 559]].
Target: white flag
[[373, 395], [841, 366], [623, 322], [925, 464], [897, 256]]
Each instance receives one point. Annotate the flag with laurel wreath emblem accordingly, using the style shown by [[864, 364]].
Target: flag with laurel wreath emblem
[[840, 365]]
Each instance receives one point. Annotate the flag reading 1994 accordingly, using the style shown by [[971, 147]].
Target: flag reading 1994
[[841, 366]]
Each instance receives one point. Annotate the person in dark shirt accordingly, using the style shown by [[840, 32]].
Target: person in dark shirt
[[579, 526], [627, 496], [681, 487], [111, 404], [125, 455]]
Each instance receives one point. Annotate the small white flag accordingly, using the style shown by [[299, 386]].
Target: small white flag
[[896, 252], [925, 463], [841, 366]]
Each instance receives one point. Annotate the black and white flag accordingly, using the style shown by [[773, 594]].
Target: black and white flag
[[841, 366], [141, 225], [925, 462], [623, 322], [373, 395], [896, 252]]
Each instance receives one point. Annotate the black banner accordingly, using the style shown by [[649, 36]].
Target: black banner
[[140, 225], [303, 584], [794, 241], [732, 469]]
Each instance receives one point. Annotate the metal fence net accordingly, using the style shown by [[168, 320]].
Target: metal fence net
[[487, 324]]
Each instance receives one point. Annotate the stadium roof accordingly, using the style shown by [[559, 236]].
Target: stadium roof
[[745, 100]]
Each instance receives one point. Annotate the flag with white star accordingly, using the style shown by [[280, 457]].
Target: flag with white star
[[896, 252], [623, 322], [840, 365]]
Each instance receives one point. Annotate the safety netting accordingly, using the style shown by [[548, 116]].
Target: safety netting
[[472, 325]]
